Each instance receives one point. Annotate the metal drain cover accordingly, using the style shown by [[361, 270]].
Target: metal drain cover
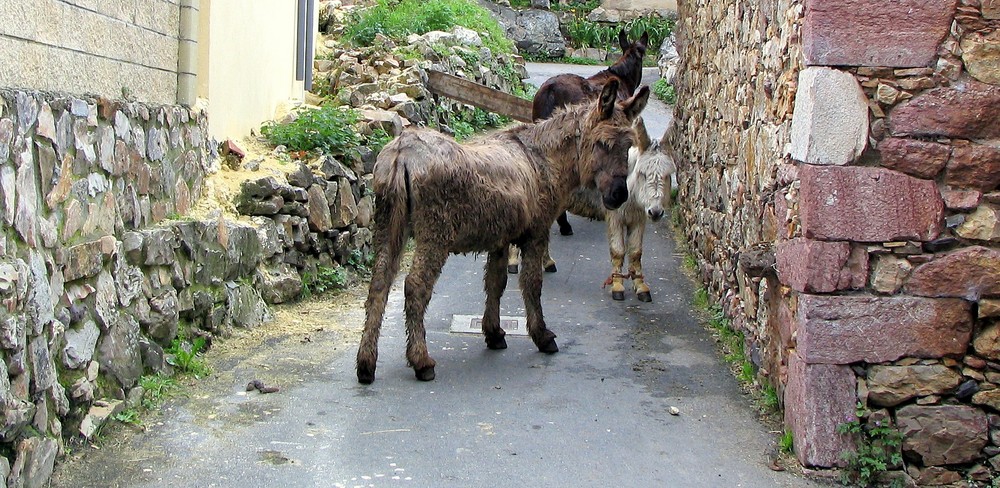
[[473, 324]]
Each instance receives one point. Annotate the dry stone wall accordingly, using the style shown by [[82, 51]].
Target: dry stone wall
[[101, 269], [841, 194]]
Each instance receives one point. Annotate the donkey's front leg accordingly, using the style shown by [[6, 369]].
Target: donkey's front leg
[[495, 282], [531, 290], [427, 263], [635, 233], [616, 243]]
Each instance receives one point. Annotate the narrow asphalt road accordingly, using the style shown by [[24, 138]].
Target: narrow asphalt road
[[596, 414]]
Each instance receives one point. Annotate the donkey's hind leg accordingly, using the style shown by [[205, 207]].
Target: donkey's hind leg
[[531, 291], [427, 263], [389, 249], [495, 282]]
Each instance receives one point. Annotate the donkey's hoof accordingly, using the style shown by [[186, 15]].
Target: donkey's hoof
[[425, 374], [550, 268], [549, 346], [497, 343], [644, 296], [566, 231], [618, 295], [512, 268], [366, 377]]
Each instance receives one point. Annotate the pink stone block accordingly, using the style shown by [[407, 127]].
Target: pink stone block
[[895, 33], [818, 397], [821, 267], [975, 166], [867, 205], [965, 110], [849, 329], [971, 273], [916, 158]]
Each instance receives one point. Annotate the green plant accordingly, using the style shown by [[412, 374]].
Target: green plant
[[769, 398], [329, 129], [700, 296], [324, 279], [787, 442], [361, 261], [184, 355], [664, 91], [377, 140], [128, 416], [877, 448], [466, 123], [397, 19], [155, 387]]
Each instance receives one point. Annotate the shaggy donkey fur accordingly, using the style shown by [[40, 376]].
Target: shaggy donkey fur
[[481, 197], [569, 89], [650, 169]]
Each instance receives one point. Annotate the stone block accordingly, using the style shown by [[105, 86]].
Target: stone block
[[82, 261], [889, 273], [991, 9], [961, 200], [922, 159], [849, 329], [987, 342], [318, 210], [894, 33], [889, 386], [964, 110], [867, 205], [821, 267], [830, 122], [940, 435], [970, 273], [974, 166], [818, 397], [981, 55]]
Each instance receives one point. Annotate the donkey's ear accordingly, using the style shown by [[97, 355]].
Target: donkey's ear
[[633, 106], [608, 98], [623, 40], [644, 40]]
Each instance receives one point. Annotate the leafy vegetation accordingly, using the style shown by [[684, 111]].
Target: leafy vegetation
[[184, 355], [329, 129], [324, 279], [787, 442], [585, 33], [877, 446], [397, 19], [664, 91]]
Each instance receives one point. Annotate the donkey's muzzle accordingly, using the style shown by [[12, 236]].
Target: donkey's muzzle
[[616, 195], [655, 214]]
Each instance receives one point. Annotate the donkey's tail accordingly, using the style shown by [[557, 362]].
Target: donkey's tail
[[392, 213]]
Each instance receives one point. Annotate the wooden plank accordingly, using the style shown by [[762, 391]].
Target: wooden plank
[[481, 96]]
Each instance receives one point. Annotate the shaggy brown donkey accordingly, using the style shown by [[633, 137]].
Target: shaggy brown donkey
[[567, 89], [481, 197]]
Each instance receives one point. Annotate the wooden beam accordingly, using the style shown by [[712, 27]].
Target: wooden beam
[[481, 96]]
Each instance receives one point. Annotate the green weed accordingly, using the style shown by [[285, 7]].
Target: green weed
[[128, 416], [397, 19], [787, 443], [329, 129], [156, 388], [769, 398], [665, 91], [877, 449], [184, 356], [700, 297], [324, 279]]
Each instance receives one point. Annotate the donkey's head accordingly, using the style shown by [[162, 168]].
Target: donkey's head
[[649, 179], [629, 66], [606, 136]]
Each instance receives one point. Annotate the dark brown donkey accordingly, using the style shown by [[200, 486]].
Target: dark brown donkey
[[566, 89], [481, 197]]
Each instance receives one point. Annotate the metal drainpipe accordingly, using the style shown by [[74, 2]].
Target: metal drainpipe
[[187, 53]]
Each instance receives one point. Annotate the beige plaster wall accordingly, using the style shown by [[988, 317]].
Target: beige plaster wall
[[245, 72], [91, 46]]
